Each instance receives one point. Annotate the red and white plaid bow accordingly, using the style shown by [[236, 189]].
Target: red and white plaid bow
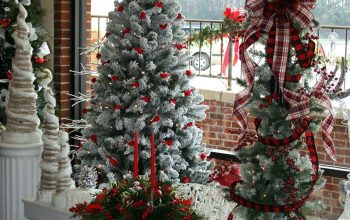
[[277, 19]]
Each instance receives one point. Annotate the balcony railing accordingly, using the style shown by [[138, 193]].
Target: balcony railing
[[208, 58]]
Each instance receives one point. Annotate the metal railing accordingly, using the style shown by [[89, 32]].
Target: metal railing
[[208, 58]]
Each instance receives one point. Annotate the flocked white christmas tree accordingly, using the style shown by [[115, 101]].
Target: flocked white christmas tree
[[22, 121], [144, 86]]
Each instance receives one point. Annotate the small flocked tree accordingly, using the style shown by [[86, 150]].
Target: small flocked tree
[[277, 179], [144, 86]]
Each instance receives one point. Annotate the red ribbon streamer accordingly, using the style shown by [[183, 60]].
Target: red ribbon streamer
[[153, 163], [136, 155], [226, 61]]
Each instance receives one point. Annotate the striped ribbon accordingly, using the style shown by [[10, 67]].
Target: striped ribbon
[[277, 19]]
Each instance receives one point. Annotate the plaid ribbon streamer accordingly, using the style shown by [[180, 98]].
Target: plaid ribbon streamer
[[322, 99], [277, 19]]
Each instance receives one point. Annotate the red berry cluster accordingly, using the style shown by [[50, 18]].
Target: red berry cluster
[[79, 208], [289, 187], [276, 152]]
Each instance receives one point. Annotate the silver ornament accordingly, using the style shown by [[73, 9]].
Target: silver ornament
[[87, 177]]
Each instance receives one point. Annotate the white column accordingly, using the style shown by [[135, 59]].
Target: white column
[[19, 177]]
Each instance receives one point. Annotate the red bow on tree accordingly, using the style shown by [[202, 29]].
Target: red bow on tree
[[278, 19]]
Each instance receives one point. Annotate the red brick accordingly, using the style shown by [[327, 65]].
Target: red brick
[[213, 135], [341, 136], [224, 123], [332, 187], [230, 144], [340, 129], [226, 104], [214, 142], [213, 109], [226, 110], [63, 60], [335, 195], [228, 117], [62, 70], [215, 129], [347, 160], [216, 116], [63, 16], [62, 24], [62, 5]]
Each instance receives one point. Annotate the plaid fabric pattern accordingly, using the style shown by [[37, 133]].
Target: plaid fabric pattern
[[322, 99], [282, 33], [248, 68]]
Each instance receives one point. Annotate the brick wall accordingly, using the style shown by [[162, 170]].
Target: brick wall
[[63, 50], [219, 123], [63, 44]]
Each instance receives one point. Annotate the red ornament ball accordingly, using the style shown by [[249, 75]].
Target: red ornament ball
[[94, 138], [190, 124], [118, 107], [84, 111], [113, 161], [169, 142], [146, 99], [188, 92], [142, 15], [131, 143], [40, 60], [179, 16], [139, 50], [158, 4], [173, 101], [98, 56], [164, 75], [5, 22], [121, 8], [156, 119], [163, 26], [93, 80], [135, 84], [9, 75], [203, 156], [186, 180], [114, 78], [188, 72], [158, 192], [179, 46], [126, 31], [168, 189]]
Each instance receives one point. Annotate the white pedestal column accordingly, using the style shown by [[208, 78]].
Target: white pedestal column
[[19, 177]]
